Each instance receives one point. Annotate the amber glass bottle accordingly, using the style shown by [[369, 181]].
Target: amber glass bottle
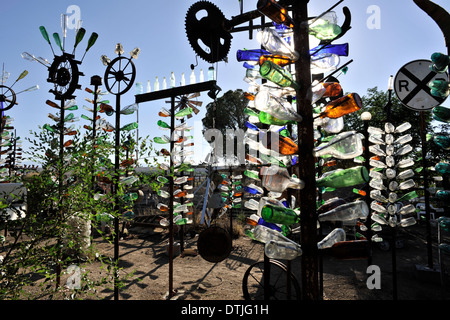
[[277, 59], [275, 12], [342, 106]]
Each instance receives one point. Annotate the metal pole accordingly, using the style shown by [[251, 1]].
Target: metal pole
[[367, 188], [60, 183], [172, 126], [116, 205], [306, 164], [425, 187]]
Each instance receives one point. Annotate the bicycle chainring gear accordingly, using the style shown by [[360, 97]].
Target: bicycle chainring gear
[[64, 74], [207, 35]]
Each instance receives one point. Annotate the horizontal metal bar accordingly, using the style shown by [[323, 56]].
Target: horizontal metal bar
[[176, 91]]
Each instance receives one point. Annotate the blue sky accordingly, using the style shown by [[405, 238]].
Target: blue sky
[[403, 33]]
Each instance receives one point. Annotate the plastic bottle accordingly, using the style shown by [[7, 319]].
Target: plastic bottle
[[283, 250], [281, 215], [344, 177], [349, 211], [346, 145]]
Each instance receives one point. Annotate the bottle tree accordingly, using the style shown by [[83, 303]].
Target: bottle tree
[[280, 112]]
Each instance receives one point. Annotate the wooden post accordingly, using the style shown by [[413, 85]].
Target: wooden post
[[306, 164]]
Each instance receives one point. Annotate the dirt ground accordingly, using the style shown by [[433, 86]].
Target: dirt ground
[[143, 256], [143, 252]]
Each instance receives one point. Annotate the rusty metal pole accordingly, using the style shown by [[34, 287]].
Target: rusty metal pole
[[306, 164]]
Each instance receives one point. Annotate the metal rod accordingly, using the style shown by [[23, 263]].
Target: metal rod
[[116, 200], [171, 177], [367, 189], [425, 187], [60, 183]]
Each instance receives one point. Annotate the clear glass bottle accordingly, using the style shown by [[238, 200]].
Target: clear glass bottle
[[277, 179], [349, 211], [282, 250], [275, 44], [337, 235], [346, 145]]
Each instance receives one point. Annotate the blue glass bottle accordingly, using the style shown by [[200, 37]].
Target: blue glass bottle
[[320, 50], [250, 55]]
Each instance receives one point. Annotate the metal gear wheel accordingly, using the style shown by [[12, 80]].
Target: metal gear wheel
[[208, 35], [64, 74]]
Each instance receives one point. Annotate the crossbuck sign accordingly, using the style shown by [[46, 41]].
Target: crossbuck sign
[[410, 85]]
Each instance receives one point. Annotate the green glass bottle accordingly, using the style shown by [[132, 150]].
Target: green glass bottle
[[183, 112], [252, 174], [163, 125], [440, 62], [251, 112], [267, 118], [442, 141], [277, 74], [49, 128], [408, 196], [129, 127], [443, 168], [282, 215], [442, 195], [441, 113], [161, 140], [344, 177]]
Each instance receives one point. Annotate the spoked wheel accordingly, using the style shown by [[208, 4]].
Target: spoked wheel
[[119, 75], [7, 98], [283, 284]]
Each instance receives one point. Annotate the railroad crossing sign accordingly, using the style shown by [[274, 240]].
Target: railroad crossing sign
[[410, 85]]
